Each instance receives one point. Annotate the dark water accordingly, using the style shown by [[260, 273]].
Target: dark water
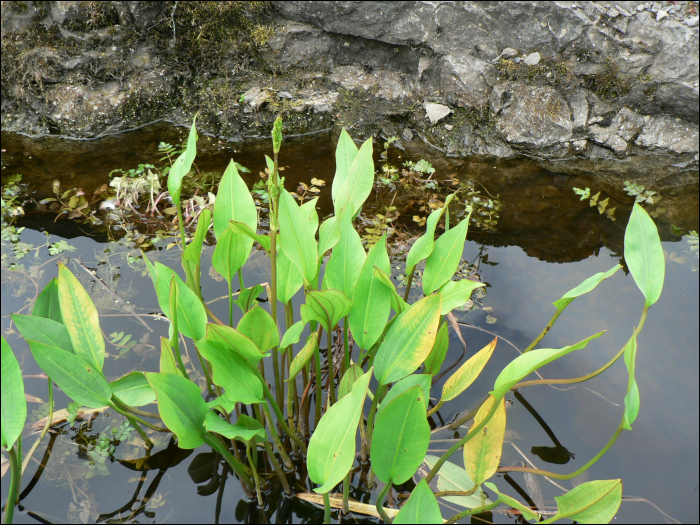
[[545, 243]]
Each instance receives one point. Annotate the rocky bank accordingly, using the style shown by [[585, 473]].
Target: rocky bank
[[582, 87]]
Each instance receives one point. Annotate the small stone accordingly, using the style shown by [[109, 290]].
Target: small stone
[[579, 144], [114, 48], [532, 59], [285, 94], [660, 15], [347, 44], [448, 127], [622, 11], [407, 134], [436, 112], [641, 8], [613, 13], [692, 21]]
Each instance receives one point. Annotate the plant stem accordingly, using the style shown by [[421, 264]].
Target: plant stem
[[134, 410], [346, 345], [319, 387], [346, 493], [280, 418], [331, 372], [241, 284], [380, 504], [132, 420], [207, 375], [372, 412], [471, 512], [239, 468], [181, 223], [15, 476], [276, 438], [274, 227], [326, 508], [230, 304], [435, 408], [544, 331], [278, 469], [409, 281], [253, 466], [33, 448]]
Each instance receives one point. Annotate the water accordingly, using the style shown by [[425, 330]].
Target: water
[[546, 241]]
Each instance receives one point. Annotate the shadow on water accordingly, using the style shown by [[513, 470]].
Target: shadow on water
[[545, 241]]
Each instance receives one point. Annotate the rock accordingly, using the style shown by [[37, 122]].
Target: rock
[[388, 84], [466, 80], [407, 134], [508, 52], [285, 94], [579, 109], [532, 59], [255, 97], [579, 145], [436, 112], [448, 127], [669, 133], [692, 21], [624, 127], [660, 15]]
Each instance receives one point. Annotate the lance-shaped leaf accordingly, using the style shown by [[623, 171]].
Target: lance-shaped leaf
[[167, 361], [292, 335], [232, 338], [644, 254], [434, 361], [327, 307], [47, 304], [401, 437], [421, 507], [421, 380], [181, 407], [451, 477], [43, 330], [397, 302], [632, 395], [424, 246], [371, 300], [191, 257], [592, 502], [304, 355], [345, 153], [525, 364], [81, 319], [360, 179], [328, 236], [296, 238], [585, 287], [442, 263], [244, 229], [526, 511], [289, 278], [182, 165], [258, 325], [233, 202], [467, 373], [409, 341], [308, 210], [482, 454], [344, 267], [80, 380], [239, 431], [331, 450], [231, 372], [14, 405], [455, 293], [230, 253], [247, 296], [133, 389], [351, 375]]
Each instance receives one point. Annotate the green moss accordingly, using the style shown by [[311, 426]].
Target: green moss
[[609, 84], [546, 71]]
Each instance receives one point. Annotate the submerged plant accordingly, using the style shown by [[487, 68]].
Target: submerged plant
[[354, 301]]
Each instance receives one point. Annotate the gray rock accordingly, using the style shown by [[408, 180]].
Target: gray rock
[[256, 97], [466, 80], [407, 134], [508, 52], [692, 21], [622, 129], [660, 15], [669, 133], [532, 59], [579, 109], [285, 94], [436, 112]]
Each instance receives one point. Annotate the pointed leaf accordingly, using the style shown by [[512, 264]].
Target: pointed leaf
[[167, 361], [14, 405], [482, 454], [191, 257], [344, 267], [247, 297], [331, 450], [456, 293], [585, 287], [434, 361], [133, 389], [351, 375], [632, 395], [467, 373], [526, 511], [230, 338], [289, 278], [452, 477], [259, 326], [244, 229], [43, 330], [371, 300], [231, 372], [304, 355], [327, 307], [328, 236], [47, 304], [592, 502], [214, 423], [360, 179], [397, 302], [191, 316], [409, 341], [234, 203], [296, 238], [182, 165], [442, 263], [80, 380], [424, 246], [421, 507], [81, 319], [422, 380], [525, 364], [308, 210], [292, 335], [230, 253], [345, 153], [644, 254]]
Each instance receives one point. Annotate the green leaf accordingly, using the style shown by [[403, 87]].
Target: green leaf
[[308, 211], [230, 253], [247, 297], [359, 181], [47, 304], [304, 355], [231, 338], [259, 326], [525, 364], [344, 267], [482, 453], [434, 361], [167, 361], [371, 300], [351, 375], [296, 238], [43, 330], [424, 246], [81, 319], [345, 153], [80, 380], [239, 431], [182, 165], [442, 263], [452, 477], [397, 302], [191, 257], [592, 502], [331, 451], [421, 380], [421, 507], [244, 229], [467, 373], [327, 307], [585, 287], [328, 236], [133, 389], [409, 341], [644, 254], [632, 395], [181, 407], [291, 336], [234, 203], [526, 511], [456, 293], [231, 372], [14, 405], [289, 278]]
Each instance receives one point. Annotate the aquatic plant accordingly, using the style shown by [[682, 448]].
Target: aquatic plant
[[355, 300]]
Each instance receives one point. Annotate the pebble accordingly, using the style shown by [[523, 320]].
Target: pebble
[[448, 127], [641, 8], [532, 59], [660, 15], [622, 11], [407, 134], [692, 21], [285, 94]]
